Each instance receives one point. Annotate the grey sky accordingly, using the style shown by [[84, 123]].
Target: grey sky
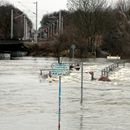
[[44, 7]]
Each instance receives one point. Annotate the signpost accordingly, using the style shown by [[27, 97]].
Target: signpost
[[59, 69], [73, 49], [81, 83]]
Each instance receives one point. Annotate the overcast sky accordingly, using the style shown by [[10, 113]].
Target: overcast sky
[[44, 7]]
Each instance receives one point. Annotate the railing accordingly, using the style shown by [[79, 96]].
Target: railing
[[111, 68]]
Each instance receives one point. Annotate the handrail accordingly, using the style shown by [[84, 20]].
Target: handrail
[[111, 68]]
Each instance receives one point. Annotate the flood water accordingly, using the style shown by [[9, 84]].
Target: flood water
[[30, 102]]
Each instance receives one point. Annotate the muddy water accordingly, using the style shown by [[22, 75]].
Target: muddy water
[[30, 102]]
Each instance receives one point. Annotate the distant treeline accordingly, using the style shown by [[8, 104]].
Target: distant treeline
[[18, 22], [95, 28]]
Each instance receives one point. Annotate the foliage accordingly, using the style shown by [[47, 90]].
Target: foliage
[[94, 18]]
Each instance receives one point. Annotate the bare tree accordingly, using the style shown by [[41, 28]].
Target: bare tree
[[121, 5], [85, 5], [88, 19]]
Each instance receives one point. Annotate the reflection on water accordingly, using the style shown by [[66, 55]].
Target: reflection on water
[[30, 102], [81, 119]]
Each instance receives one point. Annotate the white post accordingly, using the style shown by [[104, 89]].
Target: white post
[[12, 26]]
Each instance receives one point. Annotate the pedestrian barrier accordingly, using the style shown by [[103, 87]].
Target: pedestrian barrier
[[109, 70]]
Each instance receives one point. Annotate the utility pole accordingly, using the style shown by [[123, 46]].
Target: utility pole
[[24, 37], [36, 19], [60, 20], [53, 29], [36, 34], [12, 25], [60, 23], [26, 30], [11, 35], [57, 26], [48, 32]]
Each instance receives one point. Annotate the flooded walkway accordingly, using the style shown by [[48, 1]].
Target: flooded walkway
[[29, 102]]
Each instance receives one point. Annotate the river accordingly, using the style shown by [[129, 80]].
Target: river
[[30, 102]]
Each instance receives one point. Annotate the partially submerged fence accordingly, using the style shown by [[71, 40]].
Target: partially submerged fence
[[110, 69]]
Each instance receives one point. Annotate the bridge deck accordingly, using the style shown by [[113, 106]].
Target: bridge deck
[[11, 45]]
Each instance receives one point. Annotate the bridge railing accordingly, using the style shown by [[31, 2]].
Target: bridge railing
[[111, 68]]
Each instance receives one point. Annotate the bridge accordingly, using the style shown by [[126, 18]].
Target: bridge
[[12, 45]]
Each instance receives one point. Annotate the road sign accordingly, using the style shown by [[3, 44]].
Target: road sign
[[60, 69], [73, 46], [73, 49]]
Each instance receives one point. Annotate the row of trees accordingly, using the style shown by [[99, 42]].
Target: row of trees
[[101, 25], [93, 26], [5, 22]]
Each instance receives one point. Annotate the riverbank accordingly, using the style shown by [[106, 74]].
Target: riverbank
[[55, 50]]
